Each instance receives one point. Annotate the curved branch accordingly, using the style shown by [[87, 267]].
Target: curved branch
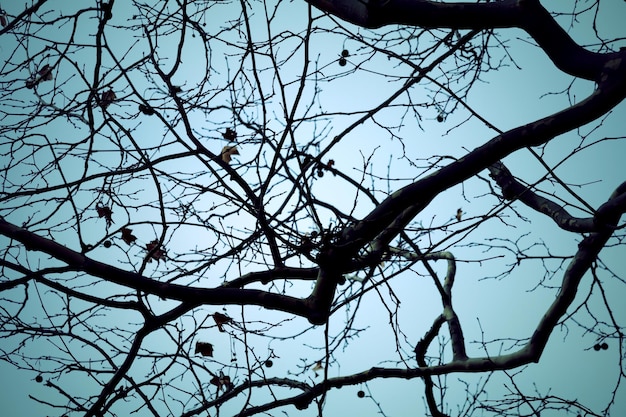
[[395, 212], [265, 277], [151, 324], [608, 212], [514, 190], [420, 355], [587, 253], [195, 295], [27, 12], [528, 15]]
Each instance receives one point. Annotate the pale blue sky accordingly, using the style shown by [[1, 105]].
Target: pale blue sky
[[503, 309]]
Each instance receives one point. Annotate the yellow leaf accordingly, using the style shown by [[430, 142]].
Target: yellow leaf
[[227, 152]]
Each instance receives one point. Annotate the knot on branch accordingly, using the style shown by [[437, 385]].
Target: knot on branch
[[609, 213], [503, 177]]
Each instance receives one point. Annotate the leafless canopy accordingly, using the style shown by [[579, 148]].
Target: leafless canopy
[[239, 207]]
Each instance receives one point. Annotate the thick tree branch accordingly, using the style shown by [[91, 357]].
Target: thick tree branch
[[194, 295], [605, 218], [514, 190], [152, 323], [527, 15], [265, 277], [395, 212], [587, 253], [27, 12], [420, 355], [150, 155]]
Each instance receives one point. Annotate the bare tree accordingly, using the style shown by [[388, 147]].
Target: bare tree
[[229, 207]]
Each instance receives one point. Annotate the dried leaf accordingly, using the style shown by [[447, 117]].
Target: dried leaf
[[127, 236], [204, 348], [222, 381], [45, 72], [317, 367], [106, 212], [220, 320], [3, 19], [226, 384], [107, 98], [227, 152], [230, 134], [155, 251]]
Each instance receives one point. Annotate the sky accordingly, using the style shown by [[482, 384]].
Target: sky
[[503, 308]]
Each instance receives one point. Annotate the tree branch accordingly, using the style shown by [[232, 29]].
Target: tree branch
[[527, 15], [514, 190], [195, 295], [404, 204]]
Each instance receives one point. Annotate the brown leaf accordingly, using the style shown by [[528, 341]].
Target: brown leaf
[[106, 212], [222, 381], [3, 19], [127, 236], [317, 367], [226, 384], [45, 72], [204, 348], [227, 152], [230, 134], [220, 320], [155, 251], [107, 98]]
